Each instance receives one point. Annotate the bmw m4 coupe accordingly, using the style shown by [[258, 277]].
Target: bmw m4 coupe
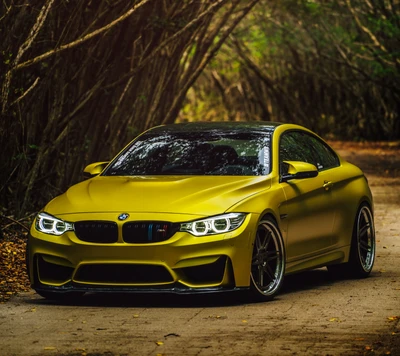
[[206, 207]]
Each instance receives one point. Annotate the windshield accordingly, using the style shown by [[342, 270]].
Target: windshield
[[195, 153]]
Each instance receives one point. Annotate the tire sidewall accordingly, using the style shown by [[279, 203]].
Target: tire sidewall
[[255, 292]]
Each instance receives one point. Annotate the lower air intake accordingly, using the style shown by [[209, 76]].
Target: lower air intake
[[122, 274]]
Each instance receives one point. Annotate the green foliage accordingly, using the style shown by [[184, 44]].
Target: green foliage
[[324, 64], [385, 27], [7, 57]]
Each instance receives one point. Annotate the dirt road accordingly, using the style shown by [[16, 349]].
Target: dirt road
[[313, 315]]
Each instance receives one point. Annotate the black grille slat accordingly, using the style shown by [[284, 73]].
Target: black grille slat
[[97, 231], [148, 231]]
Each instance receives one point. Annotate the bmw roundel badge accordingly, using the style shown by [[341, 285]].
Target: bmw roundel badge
[[123, 216]]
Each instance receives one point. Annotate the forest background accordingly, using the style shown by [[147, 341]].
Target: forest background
[[80, 79]]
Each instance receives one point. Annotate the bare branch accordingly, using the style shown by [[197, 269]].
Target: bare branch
[[34, 31], [24, 47], [214, 7], [79, 41], [366, 30], [14, 222], [170, 117], [8, 10], [26, 92]]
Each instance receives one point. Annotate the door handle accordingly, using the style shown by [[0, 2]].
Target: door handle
[[327, 185]]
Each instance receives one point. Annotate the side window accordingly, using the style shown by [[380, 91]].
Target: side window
[[301, 146], [326, 158]]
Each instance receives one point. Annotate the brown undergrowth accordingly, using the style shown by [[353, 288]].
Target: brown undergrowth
[[13, 276]]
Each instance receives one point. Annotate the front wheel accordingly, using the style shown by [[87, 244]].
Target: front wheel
[[362, 250], [268, 261]]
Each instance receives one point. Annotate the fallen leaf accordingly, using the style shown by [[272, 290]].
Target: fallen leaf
[[135, 315], [335, 320], [393, 318], [244, 321], [159, 343], [49, 348], [217, 317]]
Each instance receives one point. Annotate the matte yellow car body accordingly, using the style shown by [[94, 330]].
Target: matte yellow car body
[[316, 228]]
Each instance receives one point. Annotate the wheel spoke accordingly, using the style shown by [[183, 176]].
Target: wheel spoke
[[260, 276], [364, 246], [258, 241], [364, 229], [272, 255], [267, 240], [269, 272]]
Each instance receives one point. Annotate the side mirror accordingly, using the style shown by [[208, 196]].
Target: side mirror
[[94, 169], [298, 170]]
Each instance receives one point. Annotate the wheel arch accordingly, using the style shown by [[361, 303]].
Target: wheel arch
[[368, 201]]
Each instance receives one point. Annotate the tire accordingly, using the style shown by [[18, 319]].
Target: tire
[[268, 262], [65, 296], [362, 250]]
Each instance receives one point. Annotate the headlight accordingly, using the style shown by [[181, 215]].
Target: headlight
[[49, 224], [214, 225]]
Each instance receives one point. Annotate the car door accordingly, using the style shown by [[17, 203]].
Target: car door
[[309, 207]]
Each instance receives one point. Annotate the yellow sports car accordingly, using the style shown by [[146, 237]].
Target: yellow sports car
[[206, 207]]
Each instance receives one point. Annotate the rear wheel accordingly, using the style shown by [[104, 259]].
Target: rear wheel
[[362, 250], [268, 261]]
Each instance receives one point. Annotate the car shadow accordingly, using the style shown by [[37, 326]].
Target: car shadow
[[308, 280]]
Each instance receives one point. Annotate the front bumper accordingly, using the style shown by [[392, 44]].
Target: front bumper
[[182, 264], [175, 289]]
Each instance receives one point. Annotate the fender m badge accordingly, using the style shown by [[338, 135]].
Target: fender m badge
[[123, 216]]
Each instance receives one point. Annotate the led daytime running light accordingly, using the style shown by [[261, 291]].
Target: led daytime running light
[[49, 224], [214, 225]]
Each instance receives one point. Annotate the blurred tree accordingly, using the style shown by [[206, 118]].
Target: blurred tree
[[80, 79], [330, 65]]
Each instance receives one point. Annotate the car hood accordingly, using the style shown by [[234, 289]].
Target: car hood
[[205, 195]]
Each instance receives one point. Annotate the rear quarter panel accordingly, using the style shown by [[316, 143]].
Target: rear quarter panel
[[351, 190]]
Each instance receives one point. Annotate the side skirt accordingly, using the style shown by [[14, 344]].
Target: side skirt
[[339, 255]]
